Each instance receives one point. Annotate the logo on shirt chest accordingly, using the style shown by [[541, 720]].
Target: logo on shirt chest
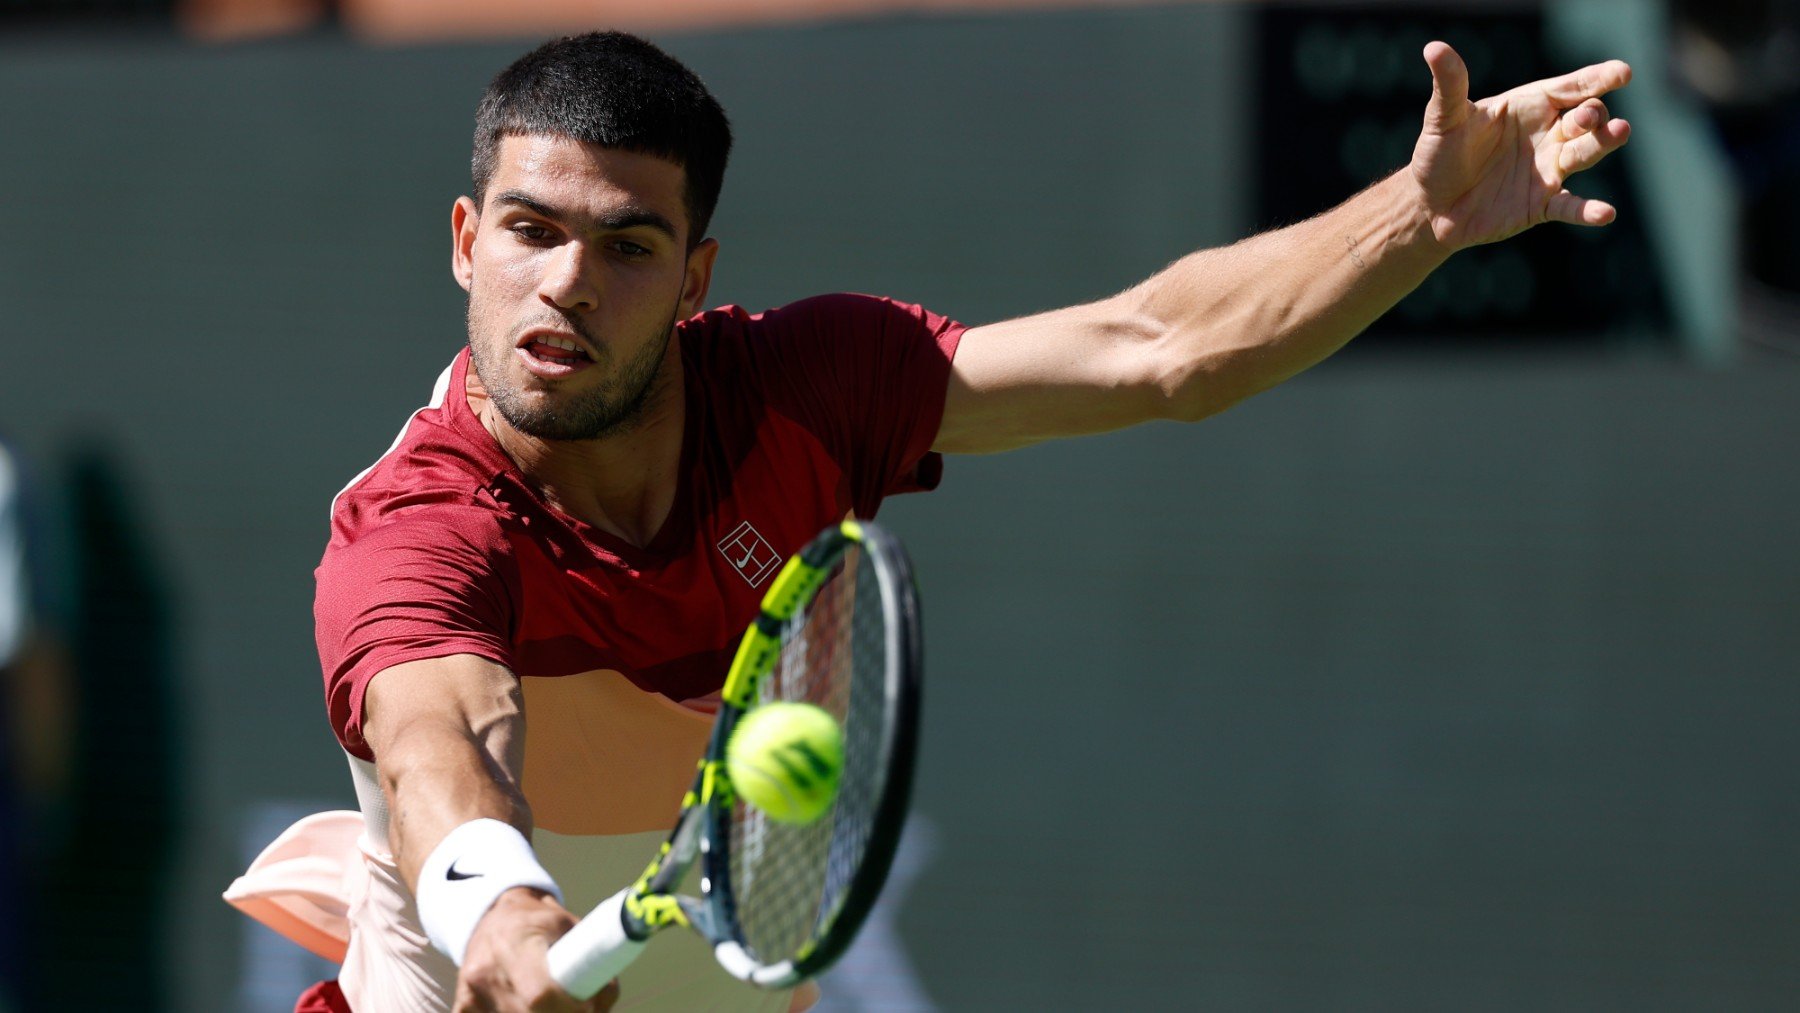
[[750, 554]]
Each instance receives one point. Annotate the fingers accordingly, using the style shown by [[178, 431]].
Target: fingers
[[1583, 118], [1586, 151], [1566, 207], [1588, 134], [528, 995], [505, 969], [1449, 89], [1589, 82], [604, 999]]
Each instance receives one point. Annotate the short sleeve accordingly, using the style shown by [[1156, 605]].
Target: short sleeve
[[425, 584], [867, 376]]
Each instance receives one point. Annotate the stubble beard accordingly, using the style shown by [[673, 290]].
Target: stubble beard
[[618, 405]]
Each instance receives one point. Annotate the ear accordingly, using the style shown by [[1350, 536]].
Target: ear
[[699, 277], [465, 221]]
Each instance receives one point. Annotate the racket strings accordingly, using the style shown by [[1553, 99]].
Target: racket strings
[[789, 882]]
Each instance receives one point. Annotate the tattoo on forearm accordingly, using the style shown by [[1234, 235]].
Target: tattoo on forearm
[[1355, 257]]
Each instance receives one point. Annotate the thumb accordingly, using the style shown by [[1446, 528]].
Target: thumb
[[1449, 89]]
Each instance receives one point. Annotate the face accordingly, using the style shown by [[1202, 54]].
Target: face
[[577, 268]]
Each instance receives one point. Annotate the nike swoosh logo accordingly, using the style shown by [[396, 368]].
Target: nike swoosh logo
[[451, 873], [740, 564]]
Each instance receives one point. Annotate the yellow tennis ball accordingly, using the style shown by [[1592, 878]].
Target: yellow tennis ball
[[785, 758]]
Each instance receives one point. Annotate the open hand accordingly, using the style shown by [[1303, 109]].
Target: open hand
[[1494, 168]]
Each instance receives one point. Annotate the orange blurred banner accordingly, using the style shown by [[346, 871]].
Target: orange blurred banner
[[403, 21]]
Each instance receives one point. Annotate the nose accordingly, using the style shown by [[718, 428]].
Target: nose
[[567, 283]]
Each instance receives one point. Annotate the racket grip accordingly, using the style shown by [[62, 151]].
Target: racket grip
[[596, 950]]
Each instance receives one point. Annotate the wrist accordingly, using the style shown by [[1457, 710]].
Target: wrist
[[467, 873], [1418, 222]]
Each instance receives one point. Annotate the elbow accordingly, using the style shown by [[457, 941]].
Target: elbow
[[1180, 377], [1186, 401], [1153, 373], [1189, 388], [1201, 371]]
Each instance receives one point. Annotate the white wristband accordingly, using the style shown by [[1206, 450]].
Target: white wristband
[[469, 870]]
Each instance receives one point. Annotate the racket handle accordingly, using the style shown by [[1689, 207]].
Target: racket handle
[[596, 950]]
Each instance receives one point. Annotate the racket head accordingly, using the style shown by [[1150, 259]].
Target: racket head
[[786, 900]]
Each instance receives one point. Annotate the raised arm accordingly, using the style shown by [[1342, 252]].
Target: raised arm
[[448, 736], [1220, 325]]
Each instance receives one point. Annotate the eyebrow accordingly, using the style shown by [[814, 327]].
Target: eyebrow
[[619, 219]]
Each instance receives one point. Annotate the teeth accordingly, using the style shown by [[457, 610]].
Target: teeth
[[563, 343]]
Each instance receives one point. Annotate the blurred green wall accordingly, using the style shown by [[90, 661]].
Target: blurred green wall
[[1424, 687], [1423, 682]]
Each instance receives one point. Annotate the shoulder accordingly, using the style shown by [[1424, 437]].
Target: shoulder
[[822, 332], [853, 307], [440, 511], [446, 551], [837, 312], [438, 524], [442, 474], [436, 494]]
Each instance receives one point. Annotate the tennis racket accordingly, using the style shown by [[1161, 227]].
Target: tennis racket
[[779, 903]]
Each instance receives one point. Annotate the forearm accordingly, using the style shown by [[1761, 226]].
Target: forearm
[[1221, 325], [443, 779], [1240, 319], [449, 738]]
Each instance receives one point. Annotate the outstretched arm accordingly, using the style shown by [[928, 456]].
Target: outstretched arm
[[1220, 325], [448, 736]]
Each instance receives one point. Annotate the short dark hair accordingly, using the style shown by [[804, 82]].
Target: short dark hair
[[617, 91]]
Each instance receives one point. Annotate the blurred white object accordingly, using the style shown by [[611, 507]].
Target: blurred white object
[[274, 971], [12, 563], [876, 975]]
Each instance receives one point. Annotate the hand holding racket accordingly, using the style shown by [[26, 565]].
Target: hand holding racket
[[779, 902]]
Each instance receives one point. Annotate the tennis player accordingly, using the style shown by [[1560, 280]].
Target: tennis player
[[527, 606]]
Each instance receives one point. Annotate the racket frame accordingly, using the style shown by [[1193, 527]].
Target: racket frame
[[904, 649], [608, 939]]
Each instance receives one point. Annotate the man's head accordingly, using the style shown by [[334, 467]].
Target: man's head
[[617, 91], [598, 161]]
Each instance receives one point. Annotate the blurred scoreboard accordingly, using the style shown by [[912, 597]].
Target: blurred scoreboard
[[1342, 93]]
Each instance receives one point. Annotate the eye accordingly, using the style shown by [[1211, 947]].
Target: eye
[[530, 232], [631, 249]]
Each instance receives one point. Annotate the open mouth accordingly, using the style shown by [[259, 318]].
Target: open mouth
[[554, 349], [552, 354]]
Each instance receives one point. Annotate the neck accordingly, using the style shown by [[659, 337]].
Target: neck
[[623, 483]]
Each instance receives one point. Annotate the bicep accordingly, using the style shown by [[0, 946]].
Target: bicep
[[1069, 372], [448, 735]]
